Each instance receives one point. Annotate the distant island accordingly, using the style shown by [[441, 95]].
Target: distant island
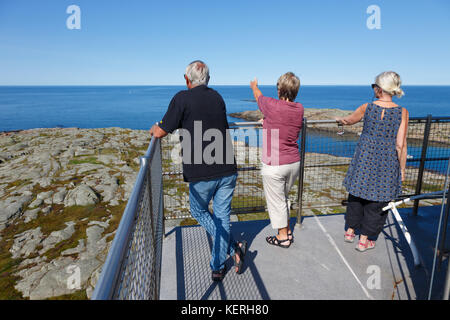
[[414, 132], [310, 113]]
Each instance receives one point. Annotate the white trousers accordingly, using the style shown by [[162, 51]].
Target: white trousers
[[277, 182]]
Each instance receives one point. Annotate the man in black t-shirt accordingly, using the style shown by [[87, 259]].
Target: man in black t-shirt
[[208, 161]]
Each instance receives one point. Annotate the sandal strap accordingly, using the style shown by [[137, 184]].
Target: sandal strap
[[362, 244], [350, 235], [274, 238]]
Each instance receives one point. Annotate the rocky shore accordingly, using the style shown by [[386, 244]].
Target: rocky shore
[[62, 194], [310, 113]]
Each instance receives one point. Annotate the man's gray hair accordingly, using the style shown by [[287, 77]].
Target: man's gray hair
[[198, 73]]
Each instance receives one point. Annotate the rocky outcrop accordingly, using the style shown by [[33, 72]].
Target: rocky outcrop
[[62, 192], [81, 195]]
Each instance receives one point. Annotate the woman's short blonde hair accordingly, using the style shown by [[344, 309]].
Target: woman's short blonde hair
[[288, 85], [390, 83]]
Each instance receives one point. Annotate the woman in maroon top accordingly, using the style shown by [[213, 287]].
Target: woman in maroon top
[[283, 120]]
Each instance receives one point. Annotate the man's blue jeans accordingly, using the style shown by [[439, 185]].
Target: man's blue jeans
[[217, 224]]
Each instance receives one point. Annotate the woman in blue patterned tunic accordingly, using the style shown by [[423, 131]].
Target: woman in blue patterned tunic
[[377, 169]]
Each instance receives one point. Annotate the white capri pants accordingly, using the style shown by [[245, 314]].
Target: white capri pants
[[277, 182]]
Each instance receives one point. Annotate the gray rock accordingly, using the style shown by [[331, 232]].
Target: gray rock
[[36, 203], [85, 167], [109, 192], [58, 197], [45, 197], [26, 242], [36, 260], [107, 158], [57, 236], [94, 239], [82, 195], [83, 152], [30, 215], [12, 207], [46, 210], [98, 223], [45, 181], [47, 281]]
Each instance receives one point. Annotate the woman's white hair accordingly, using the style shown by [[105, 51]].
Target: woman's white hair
[[198, 73], [390, 83]]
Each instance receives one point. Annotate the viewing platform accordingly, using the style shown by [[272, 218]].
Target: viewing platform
[[153, 258], [319, 265]]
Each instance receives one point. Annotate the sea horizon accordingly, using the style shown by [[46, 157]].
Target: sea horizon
[[210, 85], [25, 107]]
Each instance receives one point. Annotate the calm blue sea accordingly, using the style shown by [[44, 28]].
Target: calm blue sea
[[138, 107]]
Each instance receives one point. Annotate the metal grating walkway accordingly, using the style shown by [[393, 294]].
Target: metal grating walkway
[[319, 265]]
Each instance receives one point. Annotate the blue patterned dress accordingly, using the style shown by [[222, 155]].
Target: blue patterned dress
[[374, 172]]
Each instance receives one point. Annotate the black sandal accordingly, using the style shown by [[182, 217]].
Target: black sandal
[[241, 251], [218, 275], [273, 240], [290, 234]]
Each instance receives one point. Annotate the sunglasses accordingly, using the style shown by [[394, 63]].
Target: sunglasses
[[374, 86]]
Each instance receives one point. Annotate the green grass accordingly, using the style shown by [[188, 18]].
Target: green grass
[[108, 151], [317, 212], [8, 265], [18, 183], [172, 182], [244, 201], [188, 222], [428, 187], [253, 216], [77, 295], [343, 169], [91, 160]]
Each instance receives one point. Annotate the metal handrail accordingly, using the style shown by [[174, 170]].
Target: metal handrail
[[110, 276], [257, 123]]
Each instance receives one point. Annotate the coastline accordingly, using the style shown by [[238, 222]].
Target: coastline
[[309, 113]]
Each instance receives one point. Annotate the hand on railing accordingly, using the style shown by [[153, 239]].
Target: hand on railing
[[340, 123], [157, 132]]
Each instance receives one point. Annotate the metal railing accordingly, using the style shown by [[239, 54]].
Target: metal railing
[[133, 266], [325, 157]]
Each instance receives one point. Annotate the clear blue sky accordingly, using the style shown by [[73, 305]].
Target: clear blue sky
[[146, 42]]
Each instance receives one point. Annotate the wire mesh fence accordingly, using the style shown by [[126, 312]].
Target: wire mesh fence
[[248, 194], [133, 266], [327, 152]]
